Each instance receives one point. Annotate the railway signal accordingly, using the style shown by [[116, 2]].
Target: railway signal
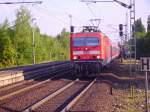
[[71, 29], [121, 30]]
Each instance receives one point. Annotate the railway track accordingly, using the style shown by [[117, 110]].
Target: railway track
[[18, 101], [37, 96], [50, 93], [61, 94], [27, 84], [64, 100]]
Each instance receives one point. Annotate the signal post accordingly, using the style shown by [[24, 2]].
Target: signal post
[[145, 66]]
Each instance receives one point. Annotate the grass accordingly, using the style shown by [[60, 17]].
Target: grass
[[132, 101]]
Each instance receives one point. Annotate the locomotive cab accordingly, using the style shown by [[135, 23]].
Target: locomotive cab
[[90, 50]]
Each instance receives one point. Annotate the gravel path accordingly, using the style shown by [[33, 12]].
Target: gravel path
[[98, 99]]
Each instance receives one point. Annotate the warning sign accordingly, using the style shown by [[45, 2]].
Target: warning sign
[[145, 64]]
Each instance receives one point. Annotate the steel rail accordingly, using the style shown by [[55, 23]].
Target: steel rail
[[27, 88], [67, 107], [36, 105], [28, 81]]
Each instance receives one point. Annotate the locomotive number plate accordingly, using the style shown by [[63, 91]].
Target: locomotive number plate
[[85, 52]]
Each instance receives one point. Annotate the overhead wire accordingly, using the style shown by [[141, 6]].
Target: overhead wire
[[68, 13], [48, 13], [45, 11], [90, 10]]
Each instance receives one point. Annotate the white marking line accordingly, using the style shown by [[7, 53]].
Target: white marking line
[[25, 89], [77, 97], [33, 107]]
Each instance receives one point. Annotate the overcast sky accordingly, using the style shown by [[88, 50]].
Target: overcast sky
[[53, 15]]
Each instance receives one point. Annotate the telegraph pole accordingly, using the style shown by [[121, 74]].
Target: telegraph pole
[[126, 27], [132, 34], [33, 41]]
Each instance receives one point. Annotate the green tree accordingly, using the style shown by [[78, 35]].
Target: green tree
[[7, 50], [64, 43], [16, 42], [23, 36], [146, 47], [148, 24], [138, 26], [139, 35], [38, 45]]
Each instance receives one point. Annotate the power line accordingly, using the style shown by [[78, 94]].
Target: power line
[[11, 3], [90, 10], [48, 13], [90, 1], [68, 13], [116, 1]]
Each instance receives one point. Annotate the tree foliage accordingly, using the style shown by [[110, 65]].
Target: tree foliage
[[23, 36], [148, 24], [16, 42], [7, 50], [138, 26], [143, 38]]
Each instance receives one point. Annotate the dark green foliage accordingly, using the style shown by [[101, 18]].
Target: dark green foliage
[[148, 24], [138, 26], [146, 42], [143, 39]]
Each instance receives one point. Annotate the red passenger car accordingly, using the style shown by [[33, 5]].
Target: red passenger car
[[91, 50]]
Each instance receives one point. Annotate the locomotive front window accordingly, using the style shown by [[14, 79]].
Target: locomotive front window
[[86, 41]]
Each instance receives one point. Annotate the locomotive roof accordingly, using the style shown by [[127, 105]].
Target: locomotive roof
[[101, 33], [90, 30]]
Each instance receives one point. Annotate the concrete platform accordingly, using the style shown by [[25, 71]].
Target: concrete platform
[[10, 76]]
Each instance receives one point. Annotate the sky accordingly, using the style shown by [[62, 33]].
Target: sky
[[53, 15]]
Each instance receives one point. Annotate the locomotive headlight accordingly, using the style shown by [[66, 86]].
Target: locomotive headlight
[[75, 57], [98, 57]]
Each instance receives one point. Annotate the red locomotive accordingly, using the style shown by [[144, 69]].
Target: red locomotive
[[91, 50]]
